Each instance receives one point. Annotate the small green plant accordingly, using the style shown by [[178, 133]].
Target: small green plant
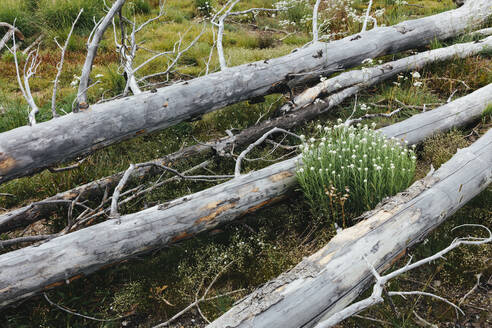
[[352, 169], [139, 7], [487, 113]]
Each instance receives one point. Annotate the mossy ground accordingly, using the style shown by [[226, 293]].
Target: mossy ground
[[153, 287]]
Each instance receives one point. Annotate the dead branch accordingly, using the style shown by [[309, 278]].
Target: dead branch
[[381, 281], [92, 46], [11, 31], [31, 65], [315, 20], [220, 24], [59, 66], [64, 309], [237, 170], [197, 301], [127, 53], [67, 168]]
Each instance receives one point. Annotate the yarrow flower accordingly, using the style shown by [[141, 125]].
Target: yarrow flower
[[359, 159]]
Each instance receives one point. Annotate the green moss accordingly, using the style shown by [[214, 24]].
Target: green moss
[[440, 148]]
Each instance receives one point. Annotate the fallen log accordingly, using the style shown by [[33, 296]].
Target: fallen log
[[30, 270], [360, 78], [379, 73], [27, 150], [327, 281]]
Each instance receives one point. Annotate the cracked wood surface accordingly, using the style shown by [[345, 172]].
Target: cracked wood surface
[[27, 150], [30, 270]]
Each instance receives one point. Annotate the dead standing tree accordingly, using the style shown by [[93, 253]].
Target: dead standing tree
[[112, 122]]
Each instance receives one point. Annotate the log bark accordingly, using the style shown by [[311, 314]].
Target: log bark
[[329, 280], [30, 270], [27, 150], [372, 75], [360, 78]]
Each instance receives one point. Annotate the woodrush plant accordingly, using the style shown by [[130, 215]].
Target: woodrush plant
[[352, 169]]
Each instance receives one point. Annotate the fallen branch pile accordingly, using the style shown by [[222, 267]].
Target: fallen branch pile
[[27, 150], [73, 255], [307, 107]]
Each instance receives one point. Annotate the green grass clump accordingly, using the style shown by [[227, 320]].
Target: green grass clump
[[352, 168], [59, 14], [440, 148], [487, 112], [18, 11]]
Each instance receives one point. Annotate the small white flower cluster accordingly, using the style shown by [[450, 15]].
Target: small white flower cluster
[[205, 8], [360, 159], [364, 107], [75, 82], [400, 2], [415, 79], [416, 76]]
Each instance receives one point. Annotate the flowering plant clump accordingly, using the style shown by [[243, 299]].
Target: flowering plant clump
[[350, 168]]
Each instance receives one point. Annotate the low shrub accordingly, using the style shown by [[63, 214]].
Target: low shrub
[[352, 169], [204, 7]]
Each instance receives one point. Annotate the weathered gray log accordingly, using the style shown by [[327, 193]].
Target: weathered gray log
[[32, 269], [362, 78], [27, 150], [329, 280], [379, 73], [23, 216]]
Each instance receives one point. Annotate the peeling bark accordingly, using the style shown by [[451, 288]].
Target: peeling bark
[[329, 280], [27, 150], [30, 270]]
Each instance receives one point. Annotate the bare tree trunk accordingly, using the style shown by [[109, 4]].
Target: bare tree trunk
[[329, 280], [27, 150], [29, 270]]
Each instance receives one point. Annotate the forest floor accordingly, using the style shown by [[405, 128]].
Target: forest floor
[[151, 288]]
